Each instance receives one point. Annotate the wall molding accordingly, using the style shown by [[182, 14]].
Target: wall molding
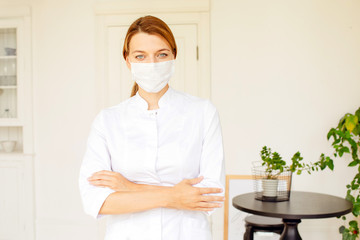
[[146, 6], [13, 11]]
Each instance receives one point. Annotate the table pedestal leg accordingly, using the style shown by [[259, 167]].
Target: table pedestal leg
[[290, 231]]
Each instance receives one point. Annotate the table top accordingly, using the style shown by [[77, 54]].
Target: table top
[[301, 205]]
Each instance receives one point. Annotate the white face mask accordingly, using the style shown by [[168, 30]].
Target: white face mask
[[152, 77]]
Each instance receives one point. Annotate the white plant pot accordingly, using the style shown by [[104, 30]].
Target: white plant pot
[[270, 187], [8, 146]]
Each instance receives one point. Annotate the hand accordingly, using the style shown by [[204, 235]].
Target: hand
[[185, 196], [113, 180]]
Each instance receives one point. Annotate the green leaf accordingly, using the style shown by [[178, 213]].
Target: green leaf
[[350, 122], [341, 122], [352, 164], [357, 113], [350, 197], [346, 149], [353, 224], [331, 164], [346, 235], [341, 229], [357, 176], [356, 130], [356, 209], [331, 133], [341, 153]]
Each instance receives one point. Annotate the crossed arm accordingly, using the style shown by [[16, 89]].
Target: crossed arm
[[139, 197]]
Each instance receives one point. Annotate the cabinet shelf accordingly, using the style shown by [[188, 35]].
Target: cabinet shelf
[[11, 122], [7, 57], [8, 87], [6, 155]]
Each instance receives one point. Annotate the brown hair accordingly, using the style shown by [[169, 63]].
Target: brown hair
[[149, 25]]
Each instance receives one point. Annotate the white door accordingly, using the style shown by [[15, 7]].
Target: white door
[[186, 73]]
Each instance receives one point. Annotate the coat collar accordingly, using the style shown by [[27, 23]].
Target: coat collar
[[163, 101]]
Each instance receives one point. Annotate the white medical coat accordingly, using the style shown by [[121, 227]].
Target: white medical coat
[[180, 140]]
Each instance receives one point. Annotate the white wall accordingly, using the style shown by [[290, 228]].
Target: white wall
[[283, 73], [64, 99]]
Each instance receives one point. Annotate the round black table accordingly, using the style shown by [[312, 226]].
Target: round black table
[[301, 205]]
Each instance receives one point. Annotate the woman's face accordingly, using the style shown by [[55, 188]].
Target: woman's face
[[148, 48]]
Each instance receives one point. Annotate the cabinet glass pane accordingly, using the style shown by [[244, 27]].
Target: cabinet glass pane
[[11, 140], [8, 73], [8, 42]]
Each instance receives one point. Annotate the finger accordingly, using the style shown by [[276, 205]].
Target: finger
[[194, 181], [209, 205], [203, 209], [210, 190], [101, 183], [100, 172], [94, 176], [96, 182], [212, 198], [109, 173], [103, 172], [105, 177], [99, 176]]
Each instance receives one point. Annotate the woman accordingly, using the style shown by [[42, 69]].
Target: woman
[[154, 163]]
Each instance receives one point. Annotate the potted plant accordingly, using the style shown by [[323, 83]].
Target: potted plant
[[273, 166], [346, 141]]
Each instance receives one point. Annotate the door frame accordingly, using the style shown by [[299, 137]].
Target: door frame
[[122, 12]]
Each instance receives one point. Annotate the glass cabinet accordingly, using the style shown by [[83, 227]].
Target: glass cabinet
[[15, 88], [8, 73], [16, 138], [10, 134]]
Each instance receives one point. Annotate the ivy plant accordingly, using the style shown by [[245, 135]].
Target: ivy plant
[[275, 165], [346, 141], [273, 162]]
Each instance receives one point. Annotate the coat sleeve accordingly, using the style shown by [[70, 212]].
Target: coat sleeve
[[96, 158], [212, 166]]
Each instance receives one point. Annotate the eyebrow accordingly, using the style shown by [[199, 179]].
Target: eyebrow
[[160, 50], [139, 51], [164, 49]]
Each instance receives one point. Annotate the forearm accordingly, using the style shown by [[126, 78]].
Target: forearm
[[182, 196], [136, 201], [147, 187]]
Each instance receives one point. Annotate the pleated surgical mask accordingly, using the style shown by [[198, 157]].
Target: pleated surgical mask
[[152, 77]]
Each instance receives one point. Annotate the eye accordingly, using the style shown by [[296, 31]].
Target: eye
[[163, 55], [139, 57]]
